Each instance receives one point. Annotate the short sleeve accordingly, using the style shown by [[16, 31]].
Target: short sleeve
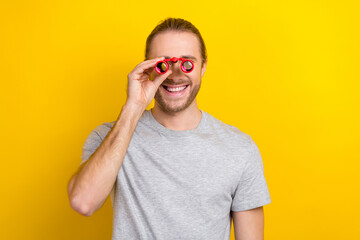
[[92, 143], [252, 190]]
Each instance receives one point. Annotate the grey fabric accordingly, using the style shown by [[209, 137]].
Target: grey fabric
[[183, 184]]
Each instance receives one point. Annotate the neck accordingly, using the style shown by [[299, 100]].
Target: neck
[[186, 119]]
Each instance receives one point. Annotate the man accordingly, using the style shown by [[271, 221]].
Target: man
[[173, 172]]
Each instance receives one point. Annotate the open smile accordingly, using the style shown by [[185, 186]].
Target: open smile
[[175, 90]]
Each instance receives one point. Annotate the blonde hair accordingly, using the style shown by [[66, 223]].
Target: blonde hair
[[180, 25]]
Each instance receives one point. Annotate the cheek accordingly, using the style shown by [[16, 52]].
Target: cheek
[[196, 73]]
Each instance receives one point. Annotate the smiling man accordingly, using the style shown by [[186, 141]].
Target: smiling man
[[188, 84], [175, 171]]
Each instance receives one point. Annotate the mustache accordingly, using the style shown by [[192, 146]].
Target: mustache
[[170, 82]]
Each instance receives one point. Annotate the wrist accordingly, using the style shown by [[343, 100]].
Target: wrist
[[132, 110], [134, 106]]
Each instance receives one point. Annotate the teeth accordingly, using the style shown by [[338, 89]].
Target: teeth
[[178, 89]]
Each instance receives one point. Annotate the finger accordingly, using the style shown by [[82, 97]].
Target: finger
[[159, 79], [147, 64], [151, 60]]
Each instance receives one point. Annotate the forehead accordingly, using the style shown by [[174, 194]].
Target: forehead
[[175, 44]]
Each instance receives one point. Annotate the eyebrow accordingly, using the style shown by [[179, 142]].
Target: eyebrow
[[184, 56]]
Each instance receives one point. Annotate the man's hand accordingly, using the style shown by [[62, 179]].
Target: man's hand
[[141, 90], [91, 185]]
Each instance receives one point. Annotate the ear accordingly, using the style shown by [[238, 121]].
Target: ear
[[203, 69]]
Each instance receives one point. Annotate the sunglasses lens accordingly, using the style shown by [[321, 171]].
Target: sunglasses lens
[[187, 66], [161, 67]]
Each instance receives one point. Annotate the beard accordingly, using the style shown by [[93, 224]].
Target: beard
[[173, 106]]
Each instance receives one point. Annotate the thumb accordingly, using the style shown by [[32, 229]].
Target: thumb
[[159, 79]]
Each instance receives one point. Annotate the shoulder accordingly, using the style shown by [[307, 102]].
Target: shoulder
[[227, 131], [103, 129]]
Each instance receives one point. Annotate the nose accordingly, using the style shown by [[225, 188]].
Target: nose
[[176, 70]]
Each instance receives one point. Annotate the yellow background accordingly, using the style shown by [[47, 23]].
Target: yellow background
[[284, 72]]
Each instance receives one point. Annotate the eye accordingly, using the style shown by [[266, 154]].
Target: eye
[[187, 66]]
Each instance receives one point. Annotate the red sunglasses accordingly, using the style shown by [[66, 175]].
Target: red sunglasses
[[162, 67]]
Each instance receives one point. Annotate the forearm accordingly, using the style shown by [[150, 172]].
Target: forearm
[[89, 188]]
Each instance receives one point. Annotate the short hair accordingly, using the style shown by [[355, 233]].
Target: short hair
[[179, 25]]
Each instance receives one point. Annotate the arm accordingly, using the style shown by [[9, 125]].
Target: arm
[[90, 186], [249, 225]]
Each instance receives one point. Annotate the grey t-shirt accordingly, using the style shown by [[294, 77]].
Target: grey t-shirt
[[183, 184]]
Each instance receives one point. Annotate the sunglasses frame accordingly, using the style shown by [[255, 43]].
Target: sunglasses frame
[[175, 60]]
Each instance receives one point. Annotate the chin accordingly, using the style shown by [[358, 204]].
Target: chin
[[171, 108], [176, 106]]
